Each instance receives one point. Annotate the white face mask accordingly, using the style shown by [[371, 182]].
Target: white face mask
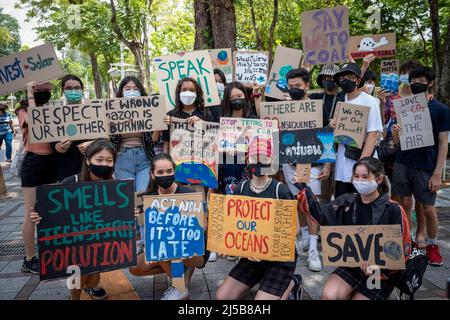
[[370, 88], [365, 187], [220, 89], [131, 93], [188, 97]]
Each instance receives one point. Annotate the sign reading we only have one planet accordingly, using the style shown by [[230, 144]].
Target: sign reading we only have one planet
[[85, 224], [252, 227]]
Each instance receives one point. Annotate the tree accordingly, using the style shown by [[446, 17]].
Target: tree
[[9, 34]]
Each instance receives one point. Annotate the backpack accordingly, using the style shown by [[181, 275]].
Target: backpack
[[411, 278]]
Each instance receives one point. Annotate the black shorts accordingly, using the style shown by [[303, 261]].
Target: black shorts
[[407, 181], [275, 277], [37, 170]]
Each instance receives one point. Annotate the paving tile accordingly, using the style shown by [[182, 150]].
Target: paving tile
[[13, 285], [9, 227], [7, 296], [13, 266], [51, 294], [198, 284]]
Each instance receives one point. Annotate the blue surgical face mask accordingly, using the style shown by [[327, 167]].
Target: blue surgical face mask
[[131, 93], [404, 78]]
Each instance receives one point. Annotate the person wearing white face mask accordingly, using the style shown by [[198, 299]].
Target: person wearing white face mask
[[369, 206]]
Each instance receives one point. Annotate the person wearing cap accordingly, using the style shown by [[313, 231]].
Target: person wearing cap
[[350, 80], [7, 131], [331, 94]]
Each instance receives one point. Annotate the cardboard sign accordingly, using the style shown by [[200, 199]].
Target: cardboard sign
[[236, 134], [307, 146], [194, 149], [325, 35], [252, 227], [222, 59], [303, 171], [381, 45], [251, 67], [39, 64], [414, 117], [285, 60], [294, 115], [73, 122], [132, 115], [194, 64], [89, 224], [351, 123], [390, 75], [349, 246], [174, 226]]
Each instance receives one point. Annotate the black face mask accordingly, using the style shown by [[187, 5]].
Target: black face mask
[[328, 84], [348, 86], [296, 93], [165, 181], [255, 168], [417, 88], [41, 97], [103, 172], [237, 104]]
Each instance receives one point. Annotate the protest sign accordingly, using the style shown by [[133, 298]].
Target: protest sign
[[88, 224], [39, 64], [325, 35], [349, 246], [307, 146], [222, 59], [390, 75], [252, 227], [351, 123], [72, 122], [303, 171], [251, 66], [413, 116], [194, 149], [174, 226], [194, 64], [286, 59], [381, 45], [294, 115], [132, 115]]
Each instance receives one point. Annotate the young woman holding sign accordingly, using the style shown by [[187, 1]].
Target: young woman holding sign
[[163, 183], [99, 165], [277, 279], [370, 206], [37, 169]]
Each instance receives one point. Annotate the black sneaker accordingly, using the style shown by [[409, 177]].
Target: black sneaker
[[297, 290], [31, 266], [97, 293]]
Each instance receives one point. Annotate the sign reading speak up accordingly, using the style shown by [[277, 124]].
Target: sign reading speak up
[[349, 246]]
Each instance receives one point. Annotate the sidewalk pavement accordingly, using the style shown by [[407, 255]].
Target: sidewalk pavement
[[23, 286]]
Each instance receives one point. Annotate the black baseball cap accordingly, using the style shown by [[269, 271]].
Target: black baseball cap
[[349, 68]]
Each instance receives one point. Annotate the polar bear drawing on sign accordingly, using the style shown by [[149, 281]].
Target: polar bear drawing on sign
[[368, 44]]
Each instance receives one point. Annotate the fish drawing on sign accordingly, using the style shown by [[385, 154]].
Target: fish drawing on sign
[[368, 44]]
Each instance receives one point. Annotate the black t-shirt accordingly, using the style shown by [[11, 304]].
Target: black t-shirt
[[361, 211], [213, 113], [68, 163], [329, 102], [182, 115]]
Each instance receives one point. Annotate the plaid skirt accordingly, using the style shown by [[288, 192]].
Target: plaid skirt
[[358, 280]]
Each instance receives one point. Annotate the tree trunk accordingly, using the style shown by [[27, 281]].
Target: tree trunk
[[255, 27], [445, 79], [272, 29], [436, 40], [147, 56], [203, 32], [223, 23], [96, 75], [3, 191]]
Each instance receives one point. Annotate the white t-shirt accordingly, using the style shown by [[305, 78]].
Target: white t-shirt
[[344, 165]]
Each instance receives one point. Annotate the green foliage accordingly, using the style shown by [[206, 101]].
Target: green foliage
[[9, 34]]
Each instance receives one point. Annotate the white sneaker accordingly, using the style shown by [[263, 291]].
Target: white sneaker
[[212, 257], [232, 258], [303, 245], [314, 263], [173, 293]]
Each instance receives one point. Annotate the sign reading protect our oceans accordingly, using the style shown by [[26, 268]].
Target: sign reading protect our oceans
[[39, 64]]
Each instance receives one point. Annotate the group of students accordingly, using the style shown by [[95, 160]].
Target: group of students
[[358, 180]]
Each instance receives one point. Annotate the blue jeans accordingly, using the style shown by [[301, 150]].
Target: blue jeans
[[8, 137]]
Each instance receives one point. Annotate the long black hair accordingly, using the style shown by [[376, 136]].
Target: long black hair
[[152, 186], [123, 83], [68, 77], [375, 167], [95, 147], [199, 102], [221, 75], [226, 106]]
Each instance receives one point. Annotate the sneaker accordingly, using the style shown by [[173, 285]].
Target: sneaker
[[212, 257], [434, 256], [314, 263], [31, 266], [297, 290], [97, 293], [173, 293], [9, 160], [232, 258], [303, 245]]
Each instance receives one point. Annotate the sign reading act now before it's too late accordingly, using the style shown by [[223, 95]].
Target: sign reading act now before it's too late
[[97, 119]]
